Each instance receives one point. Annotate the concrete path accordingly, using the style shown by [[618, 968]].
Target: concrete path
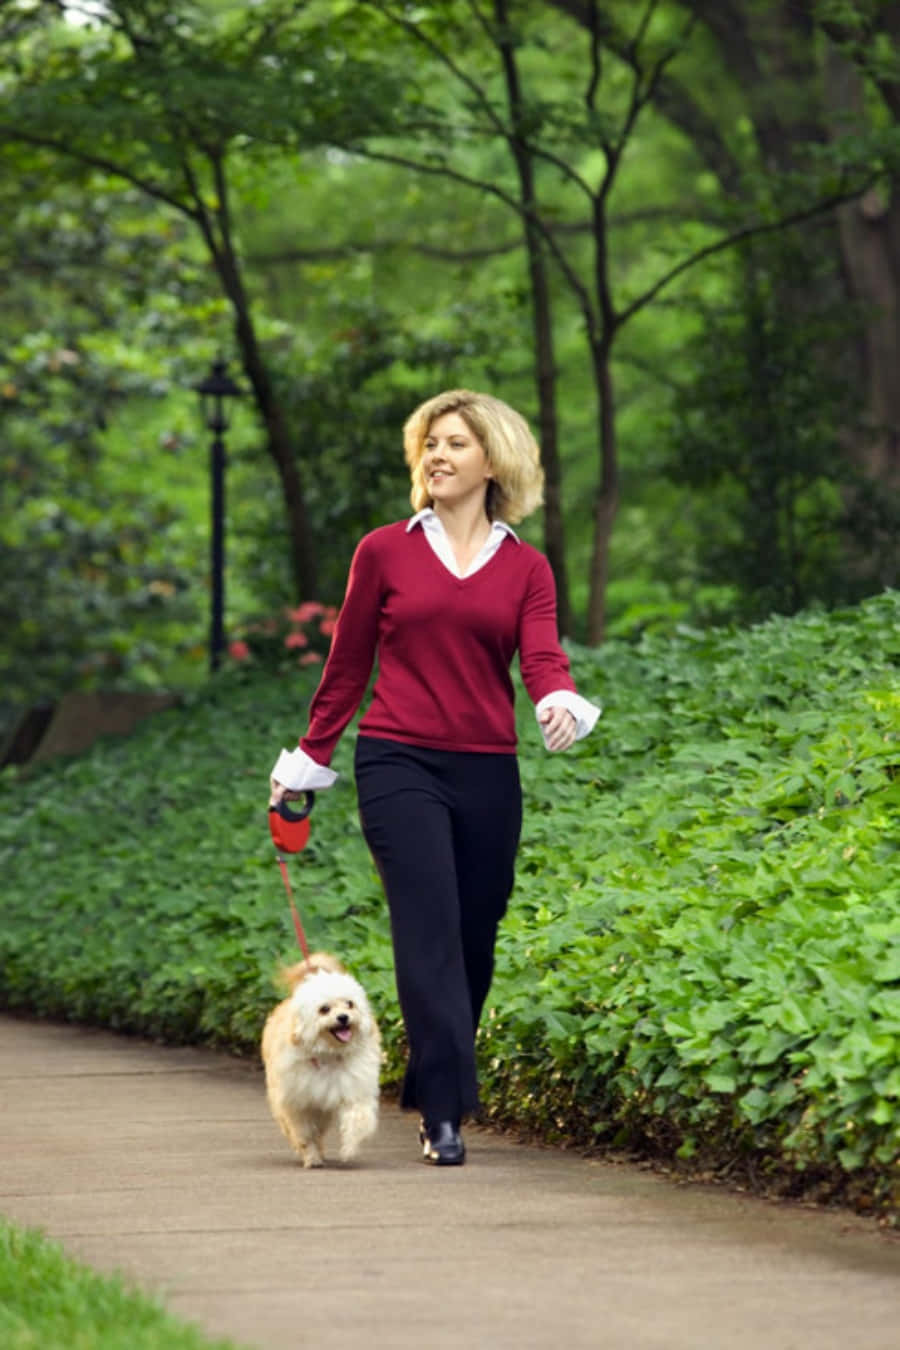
[[165, 1164]]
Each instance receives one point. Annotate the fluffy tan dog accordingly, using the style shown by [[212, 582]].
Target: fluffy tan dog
[[322, 1053]]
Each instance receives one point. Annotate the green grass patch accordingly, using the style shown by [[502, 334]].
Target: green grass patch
[[49, 1302], [702, 956]]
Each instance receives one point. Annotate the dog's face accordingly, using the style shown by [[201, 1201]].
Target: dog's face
[[330, 1012]]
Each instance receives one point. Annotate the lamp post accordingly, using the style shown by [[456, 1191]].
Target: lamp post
[[214, 391]]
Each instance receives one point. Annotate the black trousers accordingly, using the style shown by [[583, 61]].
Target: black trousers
[[443, 828]]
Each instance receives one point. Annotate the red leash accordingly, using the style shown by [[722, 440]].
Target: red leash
[[290, 833], [298, 926]]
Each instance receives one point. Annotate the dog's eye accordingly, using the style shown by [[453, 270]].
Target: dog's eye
[[350, 1003], [325, 1008]]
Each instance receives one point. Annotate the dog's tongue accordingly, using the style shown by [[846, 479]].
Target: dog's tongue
[[344, 1033]]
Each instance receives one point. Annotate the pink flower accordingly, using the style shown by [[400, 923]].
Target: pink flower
[[326, 627], [296, 640], [310, 609], [310, 659], [238, 650]]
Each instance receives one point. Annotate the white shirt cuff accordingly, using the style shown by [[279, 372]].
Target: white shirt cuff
[[585, 713], [295, 770]]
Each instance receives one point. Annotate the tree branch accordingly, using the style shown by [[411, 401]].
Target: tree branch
[[474, 88], [674, 102], [350, 250], [738, 236], [492, 189], [16, 134]]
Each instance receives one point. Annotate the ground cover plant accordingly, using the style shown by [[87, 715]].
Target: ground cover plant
[[702, 957], [49, 1302]]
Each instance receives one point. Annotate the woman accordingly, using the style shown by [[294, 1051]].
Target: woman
[[444, 601]]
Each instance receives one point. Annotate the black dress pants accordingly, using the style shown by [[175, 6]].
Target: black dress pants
[[443, 828]]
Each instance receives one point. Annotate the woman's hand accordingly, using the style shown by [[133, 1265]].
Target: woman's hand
[[278, 793], [558, 726]]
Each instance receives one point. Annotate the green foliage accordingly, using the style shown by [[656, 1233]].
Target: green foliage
[[779, 512], [720, 947], [49, 1302], [233, 134], [97, 580], [702, 956], [348, 395]]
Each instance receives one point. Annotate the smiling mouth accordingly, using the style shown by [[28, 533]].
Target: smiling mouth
[[343, 1034]]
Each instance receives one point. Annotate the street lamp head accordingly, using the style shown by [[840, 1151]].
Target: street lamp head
[[214, 390]]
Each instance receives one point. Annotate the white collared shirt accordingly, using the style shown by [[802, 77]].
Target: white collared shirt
[[437, 537]]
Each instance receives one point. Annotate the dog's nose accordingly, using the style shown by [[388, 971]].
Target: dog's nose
[[343, 1019]]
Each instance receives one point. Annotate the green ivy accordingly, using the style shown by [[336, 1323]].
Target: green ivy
[[702, 956]]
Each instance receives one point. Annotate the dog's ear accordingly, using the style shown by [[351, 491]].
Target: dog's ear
[[324, 961], [303, 1031], [288, 977], [369, 1025]]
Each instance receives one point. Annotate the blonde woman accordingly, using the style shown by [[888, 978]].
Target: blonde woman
[[444, 601]]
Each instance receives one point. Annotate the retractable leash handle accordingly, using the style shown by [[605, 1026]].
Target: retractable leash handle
[[290, 833], [289, 828]]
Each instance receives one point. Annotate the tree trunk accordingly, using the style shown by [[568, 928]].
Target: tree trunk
[[554, 520], [278, 440], [542, 328], [870, 245], [606, 504]]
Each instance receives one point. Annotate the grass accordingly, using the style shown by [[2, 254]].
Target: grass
[[50, 1302]]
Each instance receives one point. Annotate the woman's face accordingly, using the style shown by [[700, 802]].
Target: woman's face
[[454, 461]]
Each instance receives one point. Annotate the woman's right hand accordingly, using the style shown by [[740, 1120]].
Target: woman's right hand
[[279, 793]]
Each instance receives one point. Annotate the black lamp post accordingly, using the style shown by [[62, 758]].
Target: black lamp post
[[214, 390]]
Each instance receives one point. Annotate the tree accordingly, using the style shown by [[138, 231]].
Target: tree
[[810, 103], [93, 587], [168, 99], [756, 437], [577, 126]]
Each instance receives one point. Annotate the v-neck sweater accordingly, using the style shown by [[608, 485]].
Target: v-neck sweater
[[444, 646]]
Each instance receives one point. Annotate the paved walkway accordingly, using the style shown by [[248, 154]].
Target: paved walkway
[[164, 1164]]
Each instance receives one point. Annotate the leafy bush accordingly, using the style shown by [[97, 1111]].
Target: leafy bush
[[719, 968], [702, 957]]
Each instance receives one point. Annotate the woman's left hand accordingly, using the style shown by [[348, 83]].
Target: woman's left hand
[[558, 726]]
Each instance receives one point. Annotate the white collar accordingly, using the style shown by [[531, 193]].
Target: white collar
[[429, 519], [439, 541]]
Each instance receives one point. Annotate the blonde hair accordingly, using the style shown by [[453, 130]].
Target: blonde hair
[[517, 486]]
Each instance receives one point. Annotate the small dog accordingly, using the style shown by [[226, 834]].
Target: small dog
[[321, 1048]]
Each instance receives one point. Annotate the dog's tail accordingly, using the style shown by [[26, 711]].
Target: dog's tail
[[288, 977]]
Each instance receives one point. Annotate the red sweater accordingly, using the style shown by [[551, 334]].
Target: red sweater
[[444, 646]]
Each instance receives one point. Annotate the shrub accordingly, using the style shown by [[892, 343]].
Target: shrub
[[702, 956], [298, 636]]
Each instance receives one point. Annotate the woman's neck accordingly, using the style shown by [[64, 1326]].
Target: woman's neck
[[467, 527], [465, 522]]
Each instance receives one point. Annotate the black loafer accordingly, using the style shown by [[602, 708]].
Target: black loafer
[[442, 1144]]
